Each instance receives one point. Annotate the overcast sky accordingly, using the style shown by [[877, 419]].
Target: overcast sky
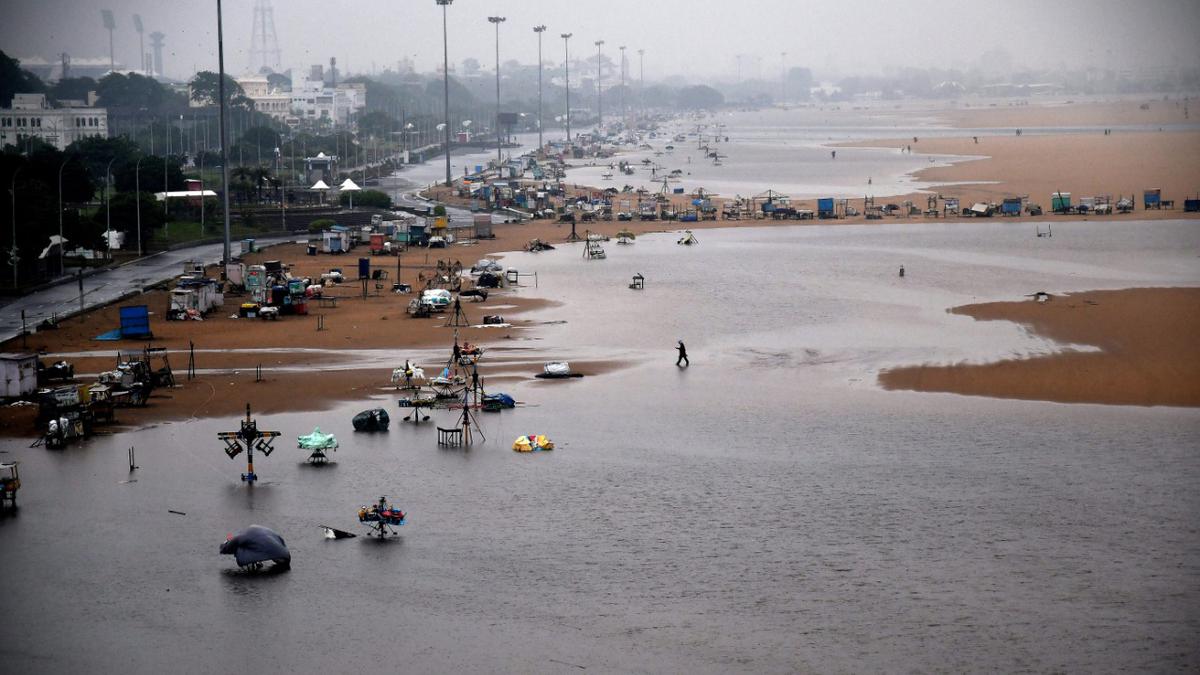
[[688, 37]]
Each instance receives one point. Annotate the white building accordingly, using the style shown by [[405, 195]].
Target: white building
[[31, 115], [268, 101], [313, 100]]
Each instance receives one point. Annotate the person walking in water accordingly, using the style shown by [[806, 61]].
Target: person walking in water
[[683, 359]]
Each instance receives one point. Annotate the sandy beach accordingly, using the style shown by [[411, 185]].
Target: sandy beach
[[1145, 336], [1034, 165]]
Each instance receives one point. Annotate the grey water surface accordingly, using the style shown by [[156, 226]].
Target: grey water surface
[[767, 509]]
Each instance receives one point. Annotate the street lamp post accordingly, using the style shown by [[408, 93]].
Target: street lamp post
[[224, 157], [13, 259], [62, 264], [201, 157], [108, 209], [783, 78], [567, 70], [539, 30], [622, 48], [137, 188], [497, 20], [446, 86], [642, 80], [599, 89]]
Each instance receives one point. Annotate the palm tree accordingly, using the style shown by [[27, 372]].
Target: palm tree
[[260, 176], [242, 178]]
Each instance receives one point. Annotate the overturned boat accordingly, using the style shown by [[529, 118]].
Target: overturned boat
[[375, 419]]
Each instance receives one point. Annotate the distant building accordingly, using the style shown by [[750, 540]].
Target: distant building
[[268, 101], [31, 115], [314, 101]]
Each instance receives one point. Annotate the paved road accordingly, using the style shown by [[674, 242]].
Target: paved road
[[105, 287]]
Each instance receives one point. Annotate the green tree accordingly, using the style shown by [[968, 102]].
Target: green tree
[[699, 96], [204, 88], [321, 224], [149, 178], [263, 138], [72, 88], [95, 153], [14, 80], [278, 81], [377, 124], [135, 91], [122, 214], [373, 198]]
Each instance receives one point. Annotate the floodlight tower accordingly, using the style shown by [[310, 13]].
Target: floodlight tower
[[264, 46], [156, 44], [109, 23], [137, 26]]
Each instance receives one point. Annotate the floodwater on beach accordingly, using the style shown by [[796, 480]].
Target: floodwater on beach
[[768, 508], [789, 152]]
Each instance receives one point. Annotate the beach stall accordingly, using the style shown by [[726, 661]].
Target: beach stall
[[19, 375], [1152, 199], [335, 240], [1060, 202], [483, 226], [1011, 206], [826, 208]]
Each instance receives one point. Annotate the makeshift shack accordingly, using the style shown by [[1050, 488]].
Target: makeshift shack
[[1060, 202], [1011, 206], [483, 226], [18, 375], [335, 240]]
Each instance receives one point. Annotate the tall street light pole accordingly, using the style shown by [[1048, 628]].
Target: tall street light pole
[[622, 48], [567, 70], [137, 188], [62, 264], [642, 80], [497, 20], [446, 86], [13, 259], [108, 209], [783, 78], [225, 250], [539, 30], [599, 89]]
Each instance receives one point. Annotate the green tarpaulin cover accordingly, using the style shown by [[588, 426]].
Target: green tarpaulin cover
[[317, 441]]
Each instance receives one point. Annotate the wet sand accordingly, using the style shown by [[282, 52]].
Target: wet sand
[[1146, 336], [1084, 165], [234, 346], [1033, 165]]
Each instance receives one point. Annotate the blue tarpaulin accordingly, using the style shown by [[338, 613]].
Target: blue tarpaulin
[[135, 322]]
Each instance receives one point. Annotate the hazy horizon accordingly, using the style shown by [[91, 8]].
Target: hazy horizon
[[690, 38]]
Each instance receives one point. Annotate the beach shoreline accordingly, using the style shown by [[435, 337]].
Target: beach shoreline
[[232, 349]]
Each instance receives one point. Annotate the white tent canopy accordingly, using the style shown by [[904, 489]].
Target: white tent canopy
[[349, 185], [319, 185]]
